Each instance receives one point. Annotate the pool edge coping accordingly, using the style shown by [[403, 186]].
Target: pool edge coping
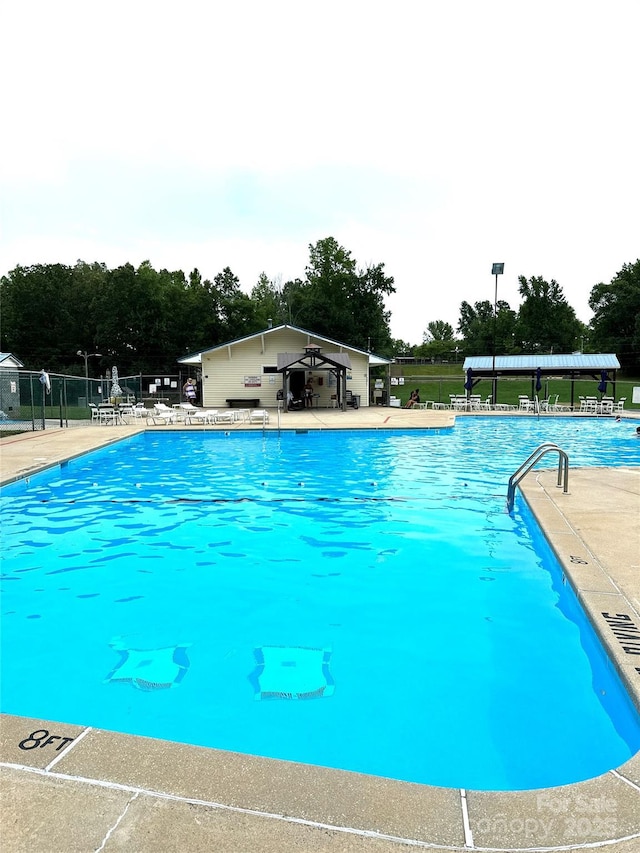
[[465, 809]]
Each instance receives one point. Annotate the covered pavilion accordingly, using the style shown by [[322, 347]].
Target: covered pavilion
[[601, 367]]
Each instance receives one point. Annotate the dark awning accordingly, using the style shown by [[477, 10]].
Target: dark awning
[[315, 360]]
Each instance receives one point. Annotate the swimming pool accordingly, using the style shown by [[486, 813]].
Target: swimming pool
[[357, 600]]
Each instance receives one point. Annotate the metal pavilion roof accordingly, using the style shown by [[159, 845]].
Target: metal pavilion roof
[[575, 361]]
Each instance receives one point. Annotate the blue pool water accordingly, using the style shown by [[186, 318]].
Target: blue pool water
[[358, 600]]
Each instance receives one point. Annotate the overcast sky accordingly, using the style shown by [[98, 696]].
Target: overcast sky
[[435, 137]]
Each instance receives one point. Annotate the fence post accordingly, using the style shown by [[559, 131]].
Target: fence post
[[31, 401]]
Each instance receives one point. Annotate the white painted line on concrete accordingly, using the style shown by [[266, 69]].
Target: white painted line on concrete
[[117, 786], [67, 749], [365, 833], [624, 779], [468, 835], [115, 825]]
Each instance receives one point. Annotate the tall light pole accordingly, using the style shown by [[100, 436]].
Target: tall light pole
[[496, 269], [87, 355]]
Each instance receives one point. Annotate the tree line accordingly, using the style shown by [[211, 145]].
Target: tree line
[[144, 319], [544, 323]]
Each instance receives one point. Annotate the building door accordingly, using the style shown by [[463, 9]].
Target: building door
[[296, 383]]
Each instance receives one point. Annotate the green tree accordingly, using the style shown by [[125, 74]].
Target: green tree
[[438, 330], [546, 322], [481, 331], [476, 327], [269, 304], [437, 341], [345, 303], [237, 312], [402, 348], [294, 294], [615, 326], [371, 318], [41, 319], [141, 318], [203, 313]]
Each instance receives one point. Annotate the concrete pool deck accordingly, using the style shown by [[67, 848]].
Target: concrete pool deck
[[106, 791]]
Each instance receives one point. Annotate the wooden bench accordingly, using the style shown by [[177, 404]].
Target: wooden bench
[[243, 402]]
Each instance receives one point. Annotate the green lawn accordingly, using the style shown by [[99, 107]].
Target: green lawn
[[436, 382]]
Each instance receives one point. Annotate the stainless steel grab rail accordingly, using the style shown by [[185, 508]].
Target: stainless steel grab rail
[[527, 465]]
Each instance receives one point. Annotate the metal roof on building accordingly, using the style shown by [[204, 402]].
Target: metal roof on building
[[7, 359], [196, 358], [547, 363]]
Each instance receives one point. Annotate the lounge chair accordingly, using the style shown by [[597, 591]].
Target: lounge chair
[[184, 411], [258, 416], [138, 411], [161, 414], [226, 417], [204, 416]]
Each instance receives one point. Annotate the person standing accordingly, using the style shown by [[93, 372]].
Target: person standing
[[308, 395], [189, 391]]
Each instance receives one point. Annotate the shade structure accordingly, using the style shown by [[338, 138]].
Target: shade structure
[[571, 366]]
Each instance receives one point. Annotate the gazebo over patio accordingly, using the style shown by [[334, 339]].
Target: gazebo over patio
[[335, 363]]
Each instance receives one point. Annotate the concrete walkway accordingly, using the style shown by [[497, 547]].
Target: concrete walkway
[[103, 791]]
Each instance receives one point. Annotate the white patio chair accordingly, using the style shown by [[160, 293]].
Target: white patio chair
[[524, 403], [108, 415], [619, 406], [95, 414], [258, 416], [226, 417]]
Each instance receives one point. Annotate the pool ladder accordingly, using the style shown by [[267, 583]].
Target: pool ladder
[[527, 465]]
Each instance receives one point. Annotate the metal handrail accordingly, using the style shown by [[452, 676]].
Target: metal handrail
[[527, 465]]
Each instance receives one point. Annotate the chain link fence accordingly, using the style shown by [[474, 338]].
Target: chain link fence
[[32, 401]]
